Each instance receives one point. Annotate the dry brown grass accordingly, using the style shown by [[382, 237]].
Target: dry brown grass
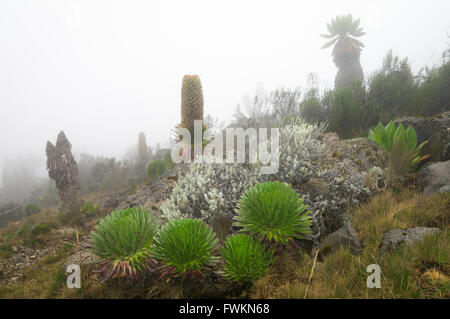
[[46, 216], [391, 210], [421, 270]]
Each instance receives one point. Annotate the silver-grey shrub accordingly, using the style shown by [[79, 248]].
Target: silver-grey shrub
[[208, 190]]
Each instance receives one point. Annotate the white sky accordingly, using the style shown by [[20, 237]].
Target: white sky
[[104, 70]]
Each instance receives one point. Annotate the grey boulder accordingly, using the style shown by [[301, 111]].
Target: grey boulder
[[393, 239], [435, 178], [345, 236]]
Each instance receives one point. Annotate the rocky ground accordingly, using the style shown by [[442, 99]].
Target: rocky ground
[[348, 167], [24, 258]]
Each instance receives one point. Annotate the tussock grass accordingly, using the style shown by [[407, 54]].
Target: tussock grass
[[46, 216], [390, 210], [421, 270]]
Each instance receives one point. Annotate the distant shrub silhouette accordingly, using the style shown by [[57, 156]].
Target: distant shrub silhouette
[[434, 92], [155, 168], [392, 91], [347, 109], [32, 208]]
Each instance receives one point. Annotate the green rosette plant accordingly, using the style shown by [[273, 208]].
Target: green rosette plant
[[123, 240], [273, 212], [245, 258], [185, 247]]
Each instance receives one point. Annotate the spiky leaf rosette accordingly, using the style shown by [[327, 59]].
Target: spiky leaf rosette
[[246, 259], [185, 247], [123, 239], [344, 27], [343, 31], [191, 101], [274, 212]]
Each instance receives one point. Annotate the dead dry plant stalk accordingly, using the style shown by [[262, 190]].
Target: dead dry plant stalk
[[312, 273]]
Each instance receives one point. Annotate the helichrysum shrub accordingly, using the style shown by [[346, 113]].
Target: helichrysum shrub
[[123, 239], [208, 190], [185, 247], [400, 145], [245, 258], [273, 212], [300, 148]]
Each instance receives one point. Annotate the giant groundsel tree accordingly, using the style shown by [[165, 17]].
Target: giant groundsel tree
[[343, 31]]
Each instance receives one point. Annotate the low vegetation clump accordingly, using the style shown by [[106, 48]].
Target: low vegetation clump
[[41, 228], [245, 258], [89, 209], [185, 247], [123, 239], [273, 212], [32, 208], [6, 250], [155, 168]]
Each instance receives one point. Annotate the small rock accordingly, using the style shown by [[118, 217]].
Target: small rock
[[18, 259], [15, 279], [66, 231], [28, 251], [397, 237], [345, 236]]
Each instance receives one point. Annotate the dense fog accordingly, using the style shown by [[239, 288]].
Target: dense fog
[[103, 71]]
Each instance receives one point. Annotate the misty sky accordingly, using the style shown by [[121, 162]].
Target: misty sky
[[104, 70]]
